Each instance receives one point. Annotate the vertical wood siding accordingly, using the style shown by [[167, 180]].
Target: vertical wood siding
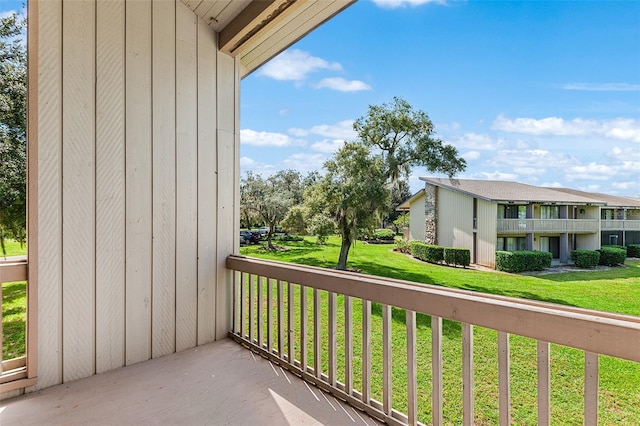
[[487, 237], [417, 217], [455, 219], [138, 158]]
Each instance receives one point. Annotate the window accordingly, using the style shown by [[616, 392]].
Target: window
[[511, 243], [512, 211], [549, 212]]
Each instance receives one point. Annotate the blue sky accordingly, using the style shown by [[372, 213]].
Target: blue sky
[[545, 93]]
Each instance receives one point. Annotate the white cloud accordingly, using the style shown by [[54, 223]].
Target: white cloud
[[530, 171], [305, 163], [471, 155], [342, 130], [603, 87], [623, 154], [392, 4], [477, 141], [328, 146], [626, 185], [247, 162], [498, 175], [342, 85], [627, 129], [252, 137], [591, 171], [531, 159], [554, 184], [295, 65]]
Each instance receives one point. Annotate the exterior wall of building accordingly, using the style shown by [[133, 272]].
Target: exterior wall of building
[[486, 233], [430, 214], [135, 130], [587, 241], [417, 219], [455, 219]]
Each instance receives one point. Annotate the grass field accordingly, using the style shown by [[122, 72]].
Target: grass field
[[14, 309], [613, 290]]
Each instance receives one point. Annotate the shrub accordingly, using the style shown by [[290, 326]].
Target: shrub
[[287, 237], [612, 256], [403, 246], [384, 234], [633, 250], [585, 258], [457, 256], [427, 252], [521, 261]]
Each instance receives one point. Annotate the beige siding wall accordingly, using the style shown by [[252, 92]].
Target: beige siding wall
[[417, 218], [455, 219], [138, 157], [588, 241], [487, 233]]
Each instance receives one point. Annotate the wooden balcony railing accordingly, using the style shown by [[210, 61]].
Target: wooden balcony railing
[[620, 225], [271, 310], [11, 270], [514, 226]]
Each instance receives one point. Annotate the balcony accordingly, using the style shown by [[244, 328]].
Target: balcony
[[523, 226], [335, 330], [620, 225]]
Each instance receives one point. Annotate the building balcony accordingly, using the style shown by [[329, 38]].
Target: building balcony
[[620, 225], [524, 226], [335, 331]]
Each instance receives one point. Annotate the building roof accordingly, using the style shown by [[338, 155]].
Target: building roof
[[515, 192], [406, 204], [609, 200]]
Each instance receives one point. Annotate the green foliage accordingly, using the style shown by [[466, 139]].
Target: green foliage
[[521, 261], [633, 250], [427, 252], [322, 226], [402, 221], [457, 256], [287, 237], [353, 192], [271, 198], [403, 246], [384, 234], [612, 256], [13, 148], [585, 258], [405, 139], [295, 221]]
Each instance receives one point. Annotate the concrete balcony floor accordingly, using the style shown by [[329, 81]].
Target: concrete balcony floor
[[220, 384]]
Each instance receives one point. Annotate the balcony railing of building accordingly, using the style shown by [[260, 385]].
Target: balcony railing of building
[[514, 226], [620, 225], [14, 369], [273, 301]]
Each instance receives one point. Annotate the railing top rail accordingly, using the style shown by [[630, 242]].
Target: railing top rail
[[600, 332], [13, 269]]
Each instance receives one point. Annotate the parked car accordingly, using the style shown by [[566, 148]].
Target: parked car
[[250, 237], [243, 240], [263, 230]]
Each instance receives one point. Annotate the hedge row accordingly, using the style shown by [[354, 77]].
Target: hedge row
[[436, 254], [585, 258], [633, 250], [612, 255], [521, 261], [427, 252]]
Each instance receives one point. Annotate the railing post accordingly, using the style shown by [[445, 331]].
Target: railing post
[[348, 345], [366, 351], [269, 315], [280, 319], [436, 370], [387, 364], [543, 383], [303, 328], [590, 389], [290, 324], [467, 374], [412, 367], [260, 310], [317, 334], [332, 338], [504, 363]]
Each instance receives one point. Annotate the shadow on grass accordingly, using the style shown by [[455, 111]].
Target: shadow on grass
[[516, 293], [13, 291], [451, 329], [371, 268]]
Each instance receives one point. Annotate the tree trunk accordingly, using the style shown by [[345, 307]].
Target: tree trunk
[[344, 251]]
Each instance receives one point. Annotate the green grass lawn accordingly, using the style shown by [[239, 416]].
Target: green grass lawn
[[613, 290], [14, 309]]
